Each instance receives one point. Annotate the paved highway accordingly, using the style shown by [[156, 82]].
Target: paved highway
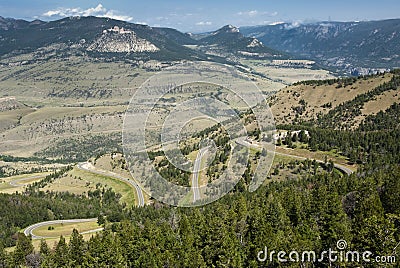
[[16, 183], [29, 230], [90, 168], [195, 176], [346, 170]]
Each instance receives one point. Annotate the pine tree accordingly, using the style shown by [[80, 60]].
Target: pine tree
[[61, 253], [76, 248], [3, 257], [24, 247], [44, 248]]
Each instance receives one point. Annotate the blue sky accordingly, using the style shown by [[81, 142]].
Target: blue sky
[[205, 15]]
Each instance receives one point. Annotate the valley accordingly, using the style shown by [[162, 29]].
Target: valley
[[264, 143]]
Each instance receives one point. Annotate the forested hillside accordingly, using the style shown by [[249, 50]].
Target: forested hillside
[[341, 103], [309, 214], [312, 213]]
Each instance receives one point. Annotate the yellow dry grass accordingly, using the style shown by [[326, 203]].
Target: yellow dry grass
[[284, 101]]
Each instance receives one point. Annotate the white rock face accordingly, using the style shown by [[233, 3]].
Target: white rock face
[[121, 40], [255, 43], [233, 29]]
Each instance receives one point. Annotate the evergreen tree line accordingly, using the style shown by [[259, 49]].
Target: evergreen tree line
[[373, 148], [309, 214], [20, 210], [389, 119], [348, 110]]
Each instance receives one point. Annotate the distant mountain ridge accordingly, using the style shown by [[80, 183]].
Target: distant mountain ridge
[[349, 46], [346, 47], [83, 34], [96, 37], [230, 39]]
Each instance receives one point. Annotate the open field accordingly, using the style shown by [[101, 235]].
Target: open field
[[289, 168], [78, 78], [17, 183], [61, 100], [39, 128], [318, 155], [64, 104], [79, 181], [115, 164], [26, 168], [286, 75], [65, 229]]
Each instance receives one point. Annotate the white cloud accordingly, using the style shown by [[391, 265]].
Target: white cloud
[[98, 11], [253, 13], [94, 10], [293, 25], [250, 13], [204, 23]]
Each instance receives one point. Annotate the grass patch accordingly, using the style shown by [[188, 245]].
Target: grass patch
[[6, 187], [127, 191], [64, 229]]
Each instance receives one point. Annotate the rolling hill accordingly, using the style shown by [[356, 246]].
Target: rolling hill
[[337, 103]]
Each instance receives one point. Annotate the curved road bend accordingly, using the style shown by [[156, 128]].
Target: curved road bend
[[342, 168], [90, 168], [196, 171], [29, 230]]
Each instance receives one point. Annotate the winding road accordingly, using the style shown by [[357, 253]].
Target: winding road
[[342, 168], [90, 168], [196, 171], [244, 142], [16, 183], [29, 230]]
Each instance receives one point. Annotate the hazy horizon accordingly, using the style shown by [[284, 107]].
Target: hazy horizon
[[188, 16]]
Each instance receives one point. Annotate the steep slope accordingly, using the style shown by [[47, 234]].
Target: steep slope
[[77, 34], [354, 47], [229, 39], [336, 103], [120, 40], [176, 36]]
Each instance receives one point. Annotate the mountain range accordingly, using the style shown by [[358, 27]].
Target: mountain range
[[350, 46], [343, 47], [104, 37]]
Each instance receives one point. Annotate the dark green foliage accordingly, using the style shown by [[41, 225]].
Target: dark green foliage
[[20, 210], [229, 39], [24, 248], [341, 82], [335, 44], [388, 119], [82, 148], [27, 37], [341, 116], [309, 214]]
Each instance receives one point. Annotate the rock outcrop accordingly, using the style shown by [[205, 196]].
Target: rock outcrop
[[121, 40]]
